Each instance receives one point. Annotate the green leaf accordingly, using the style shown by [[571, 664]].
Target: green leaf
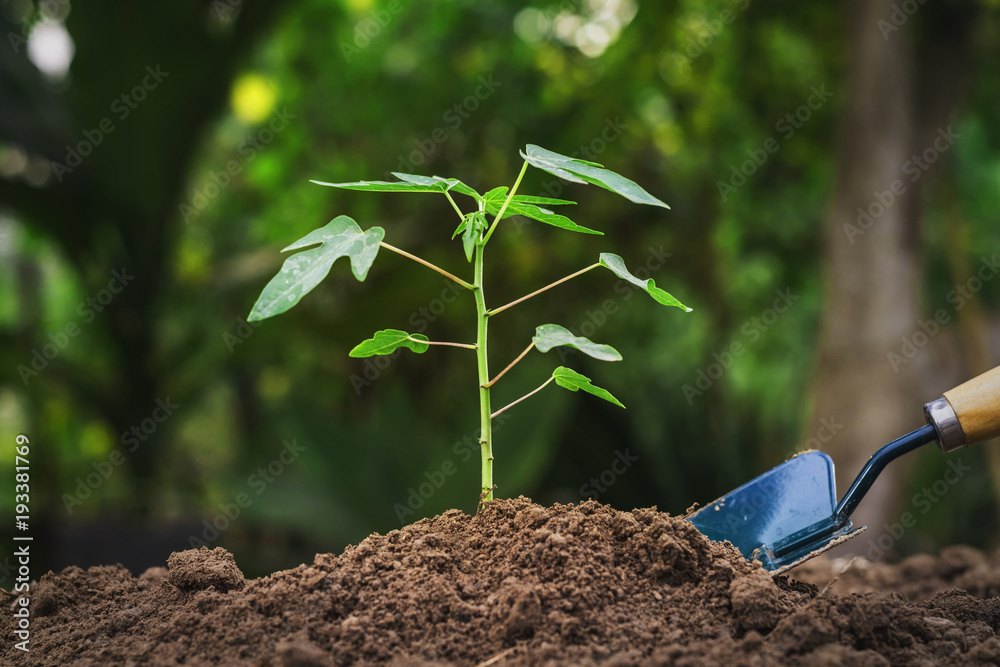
[[495, 197], [473, 227], [550, 218], [617, 266], [543, 201], [388, 341], [581, 171], [300, 273], [548, 336], [535, 213], [570, 379], [448, 183], [382, 186], [408, 183]]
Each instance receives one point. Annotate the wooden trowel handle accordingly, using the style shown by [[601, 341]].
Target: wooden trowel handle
[[969, 413]]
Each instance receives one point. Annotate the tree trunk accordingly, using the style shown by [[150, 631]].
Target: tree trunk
[[872, 241]]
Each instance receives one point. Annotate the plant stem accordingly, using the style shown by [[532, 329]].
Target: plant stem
[[503, 209], [529, 394], [435, 342], [485, 430], [511, 365], [539, 291], [454, 205], [428, 265]]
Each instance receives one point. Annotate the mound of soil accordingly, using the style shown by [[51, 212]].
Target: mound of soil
[[519, 584]]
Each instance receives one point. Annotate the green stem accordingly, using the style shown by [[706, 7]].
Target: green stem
[[435, 342], [428, 265], [454, 205], [511, 365], [486, 434], [528, 395], [539, 291], [503, 209]]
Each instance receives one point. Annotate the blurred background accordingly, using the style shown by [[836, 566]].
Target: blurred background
[[832, 170]]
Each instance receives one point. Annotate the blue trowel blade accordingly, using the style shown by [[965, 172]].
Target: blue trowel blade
[[796, 495]]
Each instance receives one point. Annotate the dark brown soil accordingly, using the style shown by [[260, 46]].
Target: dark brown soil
[[519, 584]]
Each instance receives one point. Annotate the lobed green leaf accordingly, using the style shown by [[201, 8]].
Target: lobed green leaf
[[388, 341], [300, 273], [617, 266], [582, 171], [496, 197], [570, 379], [548, 336], [447, 183], [493, 201], [407, 183]]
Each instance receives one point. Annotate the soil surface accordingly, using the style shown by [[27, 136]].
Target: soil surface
[[520, 584]]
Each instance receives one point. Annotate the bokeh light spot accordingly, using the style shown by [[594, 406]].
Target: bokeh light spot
[[51, 48], [253, 98]]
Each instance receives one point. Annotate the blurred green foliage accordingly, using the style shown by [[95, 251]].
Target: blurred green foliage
[[666, 93]]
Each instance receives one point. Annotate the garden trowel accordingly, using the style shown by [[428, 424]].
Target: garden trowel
[[791, 514]]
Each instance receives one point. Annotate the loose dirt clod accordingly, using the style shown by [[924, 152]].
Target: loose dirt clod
[[203, 568], [516, 584]]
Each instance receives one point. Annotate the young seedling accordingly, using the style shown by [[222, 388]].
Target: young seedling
[[342, 237]]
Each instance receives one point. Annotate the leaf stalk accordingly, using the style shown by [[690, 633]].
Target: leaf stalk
[[454, 205], [503, 209], [539, 291], [528, 395], [511, 365], [467, 346], [428, 265]]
